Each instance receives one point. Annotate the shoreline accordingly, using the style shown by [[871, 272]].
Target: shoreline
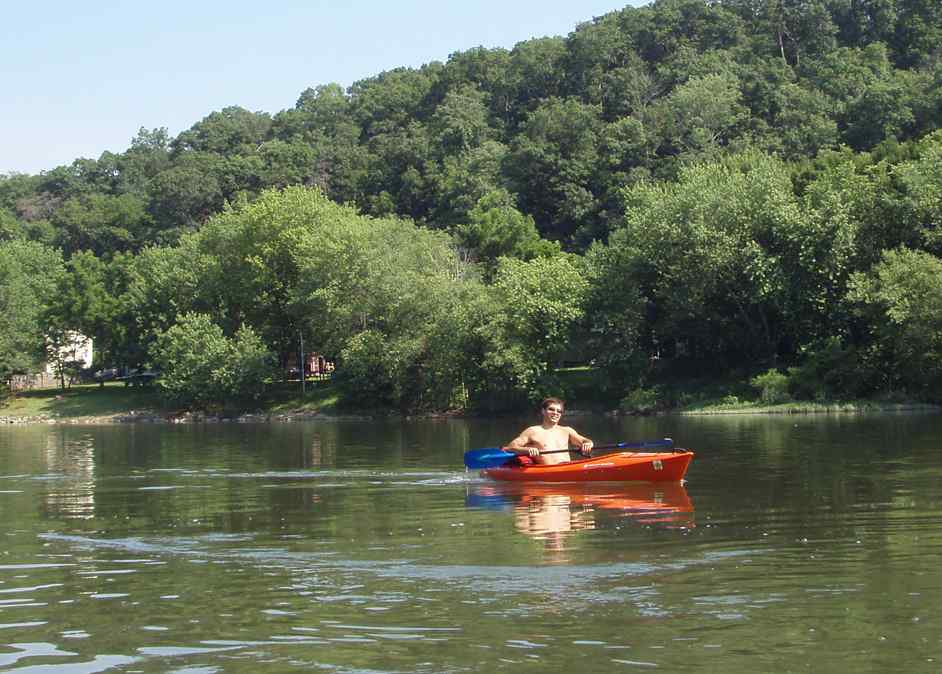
[[153, 417], [150, 417], [809, 409]]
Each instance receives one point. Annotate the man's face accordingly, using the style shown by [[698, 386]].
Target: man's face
[[553, 412]]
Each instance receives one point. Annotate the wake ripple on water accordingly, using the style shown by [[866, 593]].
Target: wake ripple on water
[[345, 477], [497, 579]]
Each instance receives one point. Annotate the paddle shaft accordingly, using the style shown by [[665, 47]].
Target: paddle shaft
[[560, 451]]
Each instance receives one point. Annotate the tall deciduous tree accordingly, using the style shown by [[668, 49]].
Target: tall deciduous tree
[[553, 167], [729, 264], [29, 273], [10, 227], [921, 182], [373, 292], [900, 302], [185, 194], [496, 229], [148, 155], [90, 299], [541, 302], [460, 122], [232, 130], [461, 180], [535, 72], [918, 31], [102, 224], [702, 115], [200, 366]]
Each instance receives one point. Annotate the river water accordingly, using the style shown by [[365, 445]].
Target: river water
[[797, 544]]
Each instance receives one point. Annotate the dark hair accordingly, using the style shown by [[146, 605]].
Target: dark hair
[[550, 401]]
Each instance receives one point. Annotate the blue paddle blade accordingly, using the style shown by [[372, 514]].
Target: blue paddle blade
[[490, 457]]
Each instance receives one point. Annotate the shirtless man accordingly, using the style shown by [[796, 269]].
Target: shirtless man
[[549, 436]]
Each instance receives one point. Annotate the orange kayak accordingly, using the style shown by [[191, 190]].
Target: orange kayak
[[617, 467]]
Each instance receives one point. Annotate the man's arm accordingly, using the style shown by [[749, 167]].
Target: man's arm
[[523, 444], [583, 443]]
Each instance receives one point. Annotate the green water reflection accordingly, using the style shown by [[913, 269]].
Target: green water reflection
[[798, 544]]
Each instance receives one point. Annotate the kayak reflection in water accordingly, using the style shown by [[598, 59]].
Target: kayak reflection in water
[[551, 518], [551, 512], [546, 443]]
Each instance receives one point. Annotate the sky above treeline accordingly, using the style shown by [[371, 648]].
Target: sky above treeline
[[83, 78]]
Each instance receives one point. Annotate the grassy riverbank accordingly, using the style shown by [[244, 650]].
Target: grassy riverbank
[[115, 402], [80, 401]]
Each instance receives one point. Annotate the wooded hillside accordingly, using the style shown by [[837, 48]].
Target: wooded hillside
[[746, 184]]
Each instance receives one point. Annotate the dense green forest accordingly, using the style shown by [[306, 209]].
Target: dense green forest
[[690, 188]]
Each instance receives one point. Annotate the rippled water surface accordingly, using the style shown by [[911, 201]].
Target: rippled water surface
[[805, 544]]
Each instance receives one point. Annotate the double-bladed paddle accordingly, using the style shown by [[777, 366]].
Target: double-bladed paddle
[[492, 457]]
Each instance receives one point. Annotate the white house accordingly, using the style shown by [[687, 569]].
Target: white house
[[77, 348]]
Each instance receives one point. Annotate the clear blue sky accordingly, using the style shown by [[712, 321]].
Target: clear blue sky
[[80, 78]]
